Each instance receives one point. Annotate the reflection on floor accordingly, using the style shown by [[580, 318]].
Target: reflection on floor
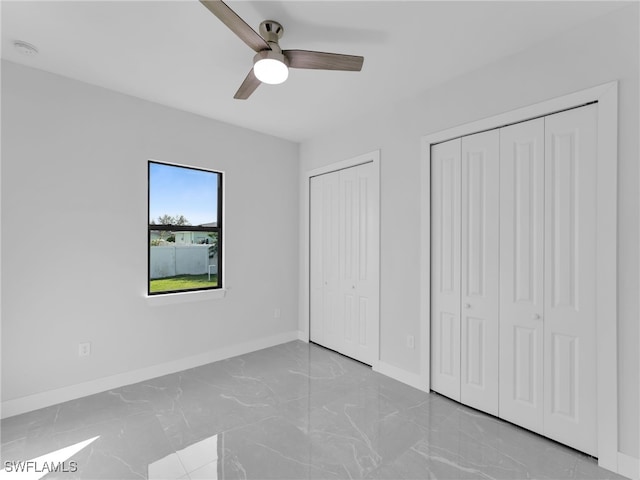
[[293, 411]]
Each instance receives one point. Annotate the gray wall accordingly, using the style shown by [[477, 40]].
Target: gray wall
[[588, 55], [74, 179]]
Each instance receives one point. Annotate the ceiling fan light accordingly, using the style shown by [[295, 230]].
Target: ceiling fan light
[[271, 67]]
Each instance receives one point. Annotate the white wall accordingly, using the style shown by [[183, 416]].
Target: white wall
[[589, 55], [74, 159]]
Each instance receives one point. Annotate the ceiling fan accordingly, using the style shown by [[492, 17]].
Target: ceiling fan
[[271, 64]]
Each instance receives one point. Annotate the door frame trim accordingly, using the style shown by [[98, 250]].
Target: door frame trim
[[606, 266], [305, 317]]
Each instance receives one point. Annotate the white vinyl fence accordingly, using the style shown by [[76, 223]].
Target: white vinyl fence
[[171, 260]]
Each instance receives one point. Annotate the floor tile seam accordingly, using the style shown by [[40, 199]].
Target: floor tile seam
[[55, 433], [184, 467], [112, 455], [166, 440], [345, 437], [189, 472], [386, 464], [6, 444], [248, 424], [3, 451], [294, 460], [147, 407], [217, 386], [426, 428]]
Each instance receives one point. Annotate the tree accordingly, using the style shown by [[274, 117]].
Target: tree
[[169, 220]]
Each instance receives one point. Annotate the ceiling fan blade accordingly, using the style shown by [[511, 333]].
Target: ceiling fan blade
[[323, 61], [238, 26], [248, 86]]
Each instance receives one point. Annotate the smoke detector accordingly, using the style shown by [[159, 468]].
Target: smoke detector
[[25, 48]]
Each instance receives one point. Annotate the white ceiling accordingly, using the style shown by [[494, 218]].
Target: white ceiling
[[179, 54]]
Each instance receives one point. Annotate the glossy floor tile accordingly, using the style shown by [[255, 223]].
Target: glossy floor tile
[[295, 411]]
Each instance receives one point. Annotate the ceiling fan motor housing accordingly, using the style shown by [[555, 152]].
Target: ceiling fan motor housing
[[270, 54], [271, 31]]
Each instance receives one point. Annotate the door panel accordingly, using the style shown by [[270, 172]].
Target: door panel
[[570, 253], [475, 367], [325, 312], [359, 269], [480, 173], [522, 273], [344, 265], [445, 268]]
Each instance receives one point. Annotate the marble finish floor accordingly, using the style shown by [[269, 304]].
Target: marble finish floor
[[295, 411]]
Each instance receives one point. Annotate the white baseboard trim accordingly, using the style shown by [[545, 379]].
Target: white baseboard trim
[[52, 397], [303, 336], [412, 379], [628, 466]]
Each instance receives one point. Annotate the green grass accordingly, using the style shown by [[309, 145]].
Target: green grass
[[183, 282]]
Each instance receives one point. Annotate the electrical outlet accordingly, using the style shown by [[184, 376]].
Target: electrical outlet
[[84, 349], [410, 341], [276, 313]]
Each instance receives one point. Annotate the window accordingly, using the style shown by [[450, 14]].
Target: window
[[185, 229]]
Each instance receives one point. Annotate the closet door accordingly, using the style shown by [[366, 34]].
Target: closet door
[[479, 341], [570, 261], [522, 273], [344, 264], [445, 269], [358, 263], [325, 316]]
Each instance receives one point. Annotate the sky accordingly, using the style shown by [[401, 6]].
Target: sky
[[182, 191]]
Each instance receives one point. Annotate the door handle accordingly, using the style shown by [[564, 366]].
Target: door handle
[[535, 316], [467, 305], [353, 287]]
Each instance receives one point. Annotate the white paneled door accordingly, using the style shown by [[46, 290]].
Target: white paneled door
[[513, 274], [324, 267], [479, 277], [344, 256], [445, 268], [570, 389], [522, 273]]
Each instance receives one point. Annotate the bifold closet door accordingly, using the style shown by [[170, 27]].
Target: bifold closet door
[[344, 265], [522, 273], [445, 268], [324, 266], [479, 322], [464, 271], [513, 274], [358, 261], [570, 389]]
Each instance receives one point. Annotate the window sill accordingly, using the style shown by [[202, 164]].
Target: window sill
[[185, 297]]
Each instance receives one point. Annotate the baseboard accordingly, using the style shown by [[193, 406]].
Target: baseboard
[[303, 336], [52, 397], [628, 466], [412, 379]]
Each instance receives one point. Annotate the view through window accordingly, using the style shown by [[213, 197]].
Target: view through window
[[185, 229]]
